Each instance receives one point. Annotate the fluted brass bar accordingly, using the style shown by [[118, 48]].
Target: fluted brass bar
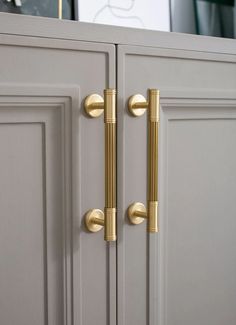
[[60, 9], [94, 106], [110, 164], [153, 120], [137, 106], [110, 224]]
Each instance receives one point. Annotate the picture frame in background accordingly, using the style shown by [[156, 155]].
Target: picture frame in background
[[146, 14]]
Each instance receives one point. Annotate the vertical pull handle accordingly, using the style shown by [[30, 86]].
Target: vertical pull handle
[[137, 211], [59, 9], [96, 219]]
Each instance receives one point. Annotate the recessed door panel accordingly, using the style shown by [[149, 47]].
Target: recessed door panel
[[197, 260], [32, 213], [22, 237]]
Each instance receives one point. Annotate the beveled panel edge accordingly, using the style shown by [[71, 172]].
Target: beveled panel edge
[[176, 53], [65, 99], [40, 42]]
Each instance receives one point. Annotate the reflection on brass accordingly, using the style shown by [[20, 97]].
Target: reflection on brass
[[137, 213], [60, 9], [110, 224], [110, 106], [137, 106], [153, 216], [94, 107], [94, 220]]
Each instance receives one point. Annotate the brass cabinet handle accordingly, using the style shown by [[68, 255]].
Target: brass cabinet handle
[[137, 106], [60, 9], [96, 219]]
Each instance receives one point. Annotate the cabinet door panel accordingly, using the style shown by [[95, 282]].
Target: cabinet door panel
[[31, 277], [51, 175], [197, 257], [184, 274]]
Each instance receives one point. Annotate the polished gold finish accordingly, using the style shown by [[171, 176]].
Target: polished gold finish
[[60, 9], [94, 106], [153, 216], [110, 224], [137, 106], [154, 102], [94, 220], [110, 164], [110, 106], [153, 122], [137, 213]]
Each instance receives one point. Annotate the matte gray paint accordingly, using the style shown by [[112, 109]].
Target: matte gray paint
[[71, 30], [41, 77], [156, 264], [197, 93]]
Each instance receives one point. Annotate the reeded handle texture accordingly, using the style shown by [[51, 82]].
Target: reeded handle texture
[[137, 106], [110, 164], [153, 123], [95, 219]]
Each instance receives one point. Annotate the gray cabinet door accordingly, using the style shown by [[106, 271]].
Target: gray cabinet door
[[185, 274], [51, 172]]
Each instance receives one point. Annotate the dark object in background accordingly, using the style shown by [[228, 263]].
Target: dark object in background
[[221, 2], [215, 17], [45, 8]]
